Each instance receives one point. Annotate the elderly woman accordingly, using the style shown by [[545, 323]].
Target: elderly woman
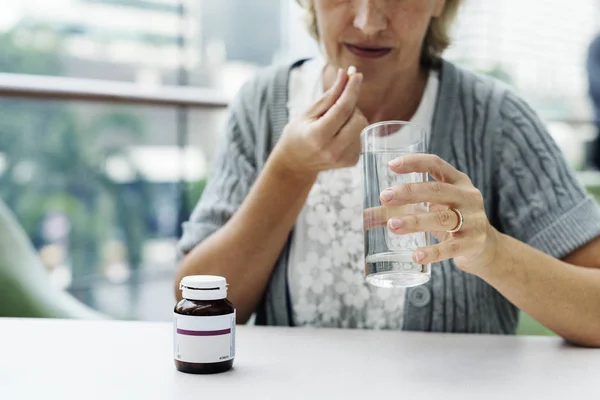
[[281, 215]]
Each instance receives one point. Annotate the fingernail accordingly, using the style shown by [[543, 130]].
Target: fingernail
[[396, 162], [359, 77], [387, 195], [420, 255], [396, 223]]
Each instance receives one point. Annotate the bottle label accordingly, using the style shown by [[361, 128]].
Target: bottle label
[[204, 339]]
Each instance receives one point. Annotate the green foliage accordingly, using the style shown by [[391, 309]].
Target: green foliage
[[529, 326], [53, 161], [27, 58], [595, 191], [194, 192]]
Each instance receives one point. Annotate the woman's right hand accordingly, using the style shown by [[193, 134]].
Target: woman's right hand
[[327, 135]]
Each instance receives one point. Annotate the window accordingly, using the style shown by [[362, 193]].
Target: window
[[102, 188]]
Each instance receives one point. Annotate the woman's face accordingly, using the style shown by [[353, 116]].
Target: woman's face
[[380, 37]]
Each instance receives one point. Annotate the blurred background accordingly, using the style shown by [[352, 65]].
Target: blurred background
[[101, 187]]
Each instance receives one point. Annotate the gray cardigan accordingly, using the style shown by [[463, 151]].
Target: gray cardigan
[[480, 127]]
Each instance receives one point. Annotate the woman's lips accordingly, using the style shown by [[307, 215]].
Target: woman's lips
[[368, 52]]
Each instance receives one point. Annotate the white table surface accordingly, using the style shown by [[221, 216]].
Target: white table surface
[[53, 359]]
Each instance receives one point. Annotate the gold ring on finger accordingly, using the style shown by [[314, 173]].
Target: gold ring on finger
[[461, 221]]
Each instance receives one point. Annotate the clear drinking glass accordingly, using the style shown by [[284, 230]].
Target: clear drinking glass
[[388, 256]]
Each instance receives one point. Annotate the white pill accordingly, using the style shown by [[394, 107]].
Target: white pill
[[351, 70]]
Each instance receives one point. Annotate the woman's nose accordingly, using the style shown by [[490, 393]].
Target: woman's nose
[[370, 16]]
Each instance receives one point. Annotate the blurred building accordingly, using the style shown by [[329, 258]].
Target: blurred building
[[127, 40], [540, 47]]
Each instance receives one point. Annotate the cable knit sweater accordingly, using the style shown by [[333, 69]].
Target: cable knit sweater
[[482, 128]]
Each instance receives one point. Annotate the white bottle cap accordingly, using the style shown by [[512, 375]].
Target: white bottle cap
[[203, 287]]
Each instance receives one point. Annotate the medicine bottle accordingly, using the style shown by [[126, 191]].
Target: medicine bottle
[[204, 326]]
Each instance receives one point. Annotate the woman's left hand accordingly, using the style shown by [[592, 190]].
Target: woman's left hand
[[474, 246]]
